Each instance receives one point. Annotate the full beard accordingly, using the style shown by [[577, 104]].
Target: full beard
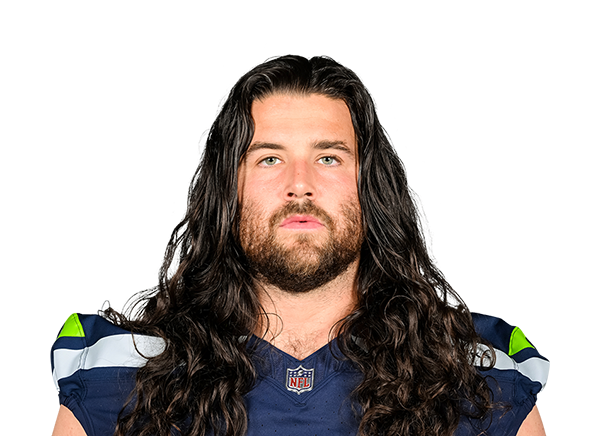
[[305, 261]]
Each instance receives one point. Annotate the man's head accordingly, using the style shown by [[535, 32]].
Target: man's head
[[307, 110], [300, 223]]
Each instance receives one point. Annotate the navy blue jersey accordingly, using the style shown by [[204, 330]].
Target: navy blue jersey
[[94, 364]]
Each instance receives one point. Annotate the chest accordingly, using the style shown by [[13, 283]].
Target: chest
[[301, 397]]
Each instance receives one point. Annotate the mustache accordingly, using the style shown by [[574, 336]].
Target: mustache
[[297, 208]]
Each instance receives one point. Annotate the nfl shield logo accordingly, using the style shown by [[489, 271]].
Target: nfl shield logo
[[300, 379]]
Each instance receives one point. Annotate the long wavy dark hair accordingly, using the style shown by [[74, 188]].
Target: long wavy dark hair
[[417, 339]]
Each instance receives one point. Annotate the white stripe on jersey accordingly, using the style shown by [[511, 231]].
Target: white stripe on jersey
[[111, 351], [534, 368]]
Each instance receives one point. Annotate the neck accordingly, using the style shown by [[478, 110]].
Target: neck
[[300, 324]]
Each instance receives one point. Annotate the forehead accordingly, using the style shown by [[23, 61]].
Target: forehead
[[313, 116]]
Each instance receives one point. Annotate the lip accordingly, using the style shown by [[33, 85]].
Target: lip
[[303, 222]]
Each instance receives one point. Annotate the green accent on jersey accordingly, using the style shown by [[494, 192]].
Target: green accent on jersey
[[72, 328], [518, 342]]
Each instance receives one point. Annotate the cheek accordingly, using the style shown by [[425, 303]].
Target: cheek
[[255, 210], [264, 190], [252, 187], [342, 187]]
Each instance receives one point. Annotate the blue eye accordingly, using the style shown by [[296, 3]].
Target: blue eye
[[270, 161], [329, 161]]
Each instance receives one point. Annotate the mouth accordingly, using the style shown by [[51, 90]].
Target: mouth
[[301, 222]]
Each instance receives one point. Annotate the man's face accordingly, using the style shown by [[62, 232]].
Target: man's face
[[300, 222]]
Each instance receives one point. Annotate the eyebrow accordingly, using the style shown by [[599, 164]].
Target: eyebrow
[[336, 145], [263, 146], [319, 145]]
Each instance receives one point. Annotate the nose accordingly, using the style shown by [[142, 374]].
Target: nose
[[300, 181]]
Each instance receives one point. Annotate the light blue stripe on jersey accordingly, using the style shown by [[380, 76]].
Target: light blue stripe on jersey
[[534, 368], [125, 350]]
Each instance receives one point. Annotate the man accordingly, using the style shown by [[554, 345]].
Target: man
[[303, 299]]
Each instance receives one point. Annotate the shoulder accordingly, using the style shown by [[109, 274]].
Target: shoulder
[[508, 338], [89, 342], [94, 363], [513, 350], [515, 371]]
